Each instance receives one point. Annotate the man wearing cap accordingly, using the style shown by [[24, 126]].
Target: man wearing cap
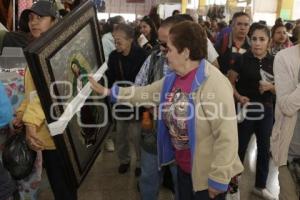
[[40, 17]]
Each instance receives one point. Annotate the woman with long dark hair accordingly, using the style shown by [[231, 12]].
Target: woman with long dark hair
[[149, 31]]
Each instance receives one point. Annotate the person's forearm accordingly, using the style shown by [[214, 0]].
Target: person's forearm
[[236, 94], [272, 89]]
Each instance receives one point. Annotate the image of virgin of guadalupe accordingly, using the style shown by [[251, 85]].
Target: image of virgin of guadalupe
[[80, 77], [88, 116]]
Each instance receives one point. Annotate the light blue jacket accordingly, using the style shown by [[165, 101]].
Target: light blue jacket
[[5, 107]]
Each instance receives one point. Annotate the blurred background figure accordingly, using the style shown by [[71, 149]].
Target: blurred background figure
[[280, 38], [234, 42], [148, 37], [175, 12], [252, 91], [123, 65], [153, 14], [108, 43]]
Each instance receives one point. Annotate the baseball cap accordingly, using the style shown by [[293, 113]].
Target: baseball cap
[[41, 8]]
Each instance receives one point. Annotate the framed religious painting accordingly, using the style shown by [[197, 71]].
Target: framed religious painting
[[60, 62]]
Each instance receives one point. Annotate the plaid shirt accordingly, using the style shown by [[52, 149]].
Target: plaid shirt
[[142, 77]]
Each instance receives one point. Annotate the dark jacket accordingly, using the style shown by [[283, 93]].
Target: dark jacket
[[227, 57], [14, 39], [125, 68], [249, 69]]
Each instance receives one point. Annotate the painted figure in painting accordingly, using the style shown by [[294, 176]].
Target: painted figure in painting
[[88, 116], [80, 76]]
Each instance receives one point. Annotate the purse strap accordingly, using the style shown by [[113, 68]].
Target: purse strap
[[121, 69], [299, 75]]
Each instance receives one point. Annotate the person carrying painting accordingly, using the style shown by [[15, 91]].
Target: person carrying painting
[[40, 17]]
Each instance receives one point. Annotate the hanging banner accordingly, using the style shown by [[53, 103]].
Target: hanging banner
[[135, 1], [6, 14], [22, 5]]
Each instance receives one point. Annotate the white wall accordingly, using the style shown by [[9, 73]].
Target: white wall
[[121, 6], [296, 13], [265, 10], [166, 10]]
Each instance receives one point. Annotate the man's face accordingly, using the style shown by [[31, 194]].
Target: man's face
[[241, 26], [163, 36], [214, 24]]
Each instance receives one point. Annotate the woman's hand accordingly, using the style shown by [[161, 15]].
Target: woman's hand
[[32, 140], [265, 86], [17, 121], [149, 46], [98, 88], [213, 193], [243, 99]]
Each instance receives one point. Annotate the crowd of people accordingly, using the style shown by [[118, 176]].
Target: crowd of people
[[194, 94], [244, 53]]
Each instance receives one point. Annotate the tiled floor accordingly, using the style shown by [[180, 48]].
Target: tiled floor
[[104, 183], [248, 176]]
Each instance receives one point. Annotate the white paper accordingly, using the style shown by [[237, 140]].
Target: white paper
[[142, 40], [265, 76], [2, 27], [75, 105]]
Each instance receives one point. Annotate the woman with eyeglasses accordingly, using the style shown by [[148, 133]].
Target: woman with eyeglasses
[[253, 83], [197, 127]]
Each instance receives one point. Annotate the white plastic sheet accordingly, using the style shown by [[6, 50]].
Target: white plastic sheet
[[75, 105]]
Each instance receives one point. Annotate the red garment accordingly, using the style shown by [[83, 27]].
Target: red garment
[[22, 5], [175, 116]]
